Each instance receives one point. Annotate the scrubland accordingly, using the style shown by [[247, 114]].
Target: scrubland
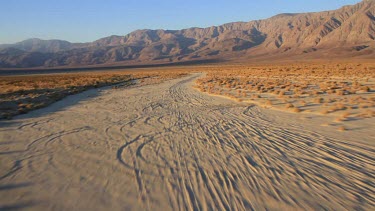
[[345, 91], [20, 94]]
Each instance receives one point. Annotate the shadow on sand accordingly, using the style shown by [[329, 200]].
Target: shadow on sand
[[60, 105]]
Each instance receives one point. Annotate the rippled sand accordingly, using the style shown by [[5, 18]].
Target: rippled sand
[[170, 147]]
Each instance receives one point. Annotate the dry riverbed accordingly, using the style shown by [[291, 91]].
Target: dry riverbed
[[168, 146]]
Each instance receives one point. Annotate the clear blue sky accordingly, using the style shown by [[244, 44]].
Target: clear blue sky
[[88, 20]]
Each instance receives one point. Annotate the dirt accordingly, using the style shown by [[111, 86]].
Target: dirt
[[170, 147]]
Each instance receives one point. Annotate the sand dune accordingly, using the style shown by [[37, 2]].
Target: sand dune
[[171, 147]]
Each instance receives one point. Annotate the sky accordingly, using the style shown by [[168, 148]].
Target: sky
[[89, 20]]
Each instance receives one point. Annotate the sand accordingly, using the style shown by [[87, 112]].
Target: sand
[[170, 147]]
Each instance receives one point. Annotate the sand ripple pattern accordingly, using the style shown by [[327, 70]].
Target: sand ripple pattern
[[170, 147]]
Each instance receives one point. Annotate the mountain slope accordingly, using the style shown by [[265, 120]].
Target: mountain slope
[[346, 32], [43, 46]]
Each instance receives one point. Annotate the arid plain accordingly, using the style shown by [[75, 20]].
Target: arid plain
[[211, 137], [97, 112]]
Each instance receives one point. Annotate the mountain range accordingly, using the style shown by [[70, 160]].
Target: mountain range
[[348, 32]]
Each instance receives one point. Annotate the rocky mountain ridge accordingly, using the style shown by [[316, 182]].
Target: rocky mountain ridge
[[346, 32]]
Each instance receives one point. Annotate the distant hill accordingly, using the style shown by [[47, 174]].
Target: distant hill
[[344, 33], [43, 46]]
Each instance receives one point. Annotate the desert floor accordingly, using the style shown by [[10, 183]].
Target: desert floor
[[170, 147]]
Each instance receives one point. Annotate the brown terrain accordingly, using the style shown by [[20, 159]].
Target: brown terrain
[[342, 91], [344, 33]]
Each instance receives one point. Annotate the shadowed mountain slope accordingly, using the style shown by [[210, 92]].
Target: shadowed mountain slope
[[344, 33]]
